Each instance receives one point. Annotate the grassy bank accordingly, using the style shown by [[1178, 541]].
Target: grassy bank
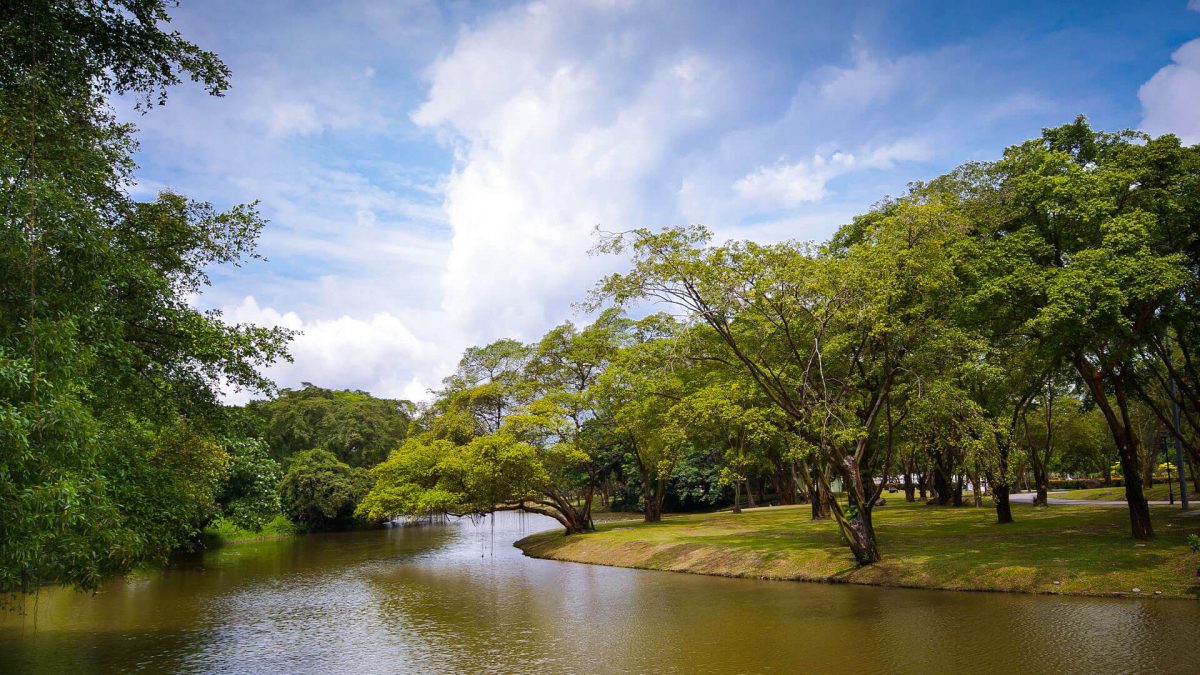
[[1160, 492], [1087, 550], [222, 532]]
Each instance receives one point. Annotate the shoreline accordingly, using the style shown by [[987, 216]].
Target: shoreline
[[1061, 550]]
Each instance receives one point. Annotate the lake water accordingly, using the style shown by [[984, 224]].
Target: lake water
[[457, 597]]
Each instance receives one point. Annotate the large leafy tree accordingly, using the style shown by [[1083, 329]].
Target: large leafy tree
[[109, 442], [319, 492], [358, 428], [825, 334], [517, 428], [1089, 260]]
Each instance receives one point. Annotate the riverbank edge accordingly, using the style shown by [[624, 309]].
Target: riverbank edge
[[592, 549]]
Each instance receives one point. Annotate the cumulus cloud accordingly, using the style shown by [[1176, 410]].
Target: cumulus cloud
[[380, 353], [562, 114], [433, 171], [1171, 98], [789, 185]]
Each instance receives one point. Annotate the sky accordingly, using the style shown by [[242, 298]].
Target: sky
[[434, 172]]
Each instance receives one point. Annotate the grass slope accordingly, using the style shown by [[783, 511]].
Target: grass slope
[[1086, 549]]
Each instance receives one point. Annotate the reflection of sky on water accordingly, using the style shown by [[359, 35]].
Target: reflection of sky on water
[[458, 597]]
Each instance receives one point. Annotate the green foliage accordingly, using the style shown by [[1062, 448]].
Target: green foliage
[[249, 498], [110, 453], [356, 427], [222, 531], [319, 492]]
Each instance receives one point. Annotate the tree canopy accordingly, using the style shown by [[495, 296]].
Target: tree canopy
[[111, 434]]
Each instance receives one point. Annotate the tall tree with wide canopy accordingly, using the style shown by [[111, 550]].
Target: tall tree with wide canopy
[[824, 333], [1088, 261], [110, 449], [358, 428]]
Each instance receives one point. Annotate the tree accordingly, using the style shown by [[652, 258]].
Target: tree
[[319, 492], [516, 428], [823, 333], [358, 428], [1087, 259], [250, 495], [642, 392], [109, 442]]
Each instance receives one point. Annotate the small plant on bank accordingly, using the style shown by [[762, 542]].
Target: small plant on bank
[[1194, 542]]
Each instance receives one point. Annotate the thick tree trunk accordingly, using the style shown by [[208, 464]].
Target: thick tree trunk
[[909, 488], [922, 481], [855, 522], [823, 509], [749, 494], [737, 496], [1003, 508], [651, 498], [814, 486], [942, 491], [1127, 446], [788, 493]]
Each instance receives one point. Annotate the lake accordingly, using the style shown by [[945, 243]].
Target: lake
[[457, 597]]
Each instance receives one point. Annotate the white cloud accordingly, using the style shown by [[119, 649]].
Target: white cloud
[[867, 81], [1171, 98], [380, 354], [433, 171], [787, 185], [563, 114], [1194, 5]]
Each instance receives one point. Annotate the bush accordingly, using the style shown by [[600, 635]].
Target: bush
[[319, 492], [1082, 483], [249, 499]]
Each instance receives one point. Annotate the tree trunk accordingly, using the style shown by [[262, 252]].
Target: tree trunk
[[1127, 447], [737, 496], [749, 494], [855, 522], [1003, 508], [976, 488], [922, 481], [942, 492], [909, 488], [651, 498]]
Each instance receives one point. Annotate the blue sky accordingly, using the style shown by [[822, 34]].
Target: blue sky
[[433, 171]]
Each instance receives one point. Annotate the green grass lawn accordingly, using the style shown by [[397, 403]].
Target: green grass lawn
[[1086, 549], [1159, 492]]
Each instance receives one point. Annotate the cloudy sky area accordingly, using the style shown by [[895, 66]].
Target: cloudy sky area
[[433, 171]]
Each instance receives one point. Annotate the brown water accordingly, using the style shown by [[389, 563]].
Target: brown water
[[444, 598]]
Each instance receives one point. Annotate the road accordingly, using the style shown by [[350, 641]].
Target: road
[[1027, 498]]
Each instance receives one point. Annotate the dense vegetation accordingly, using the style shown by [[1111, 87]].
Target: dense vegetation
[[356, 427], [1004, 324], [1006, 320], [113, 445]]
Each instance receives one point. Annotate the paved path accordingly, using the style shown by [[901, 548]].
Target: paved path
[[1027, 498]]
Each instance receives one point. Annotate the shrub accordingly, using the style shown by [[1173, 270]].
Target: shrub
[[319, 492]]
